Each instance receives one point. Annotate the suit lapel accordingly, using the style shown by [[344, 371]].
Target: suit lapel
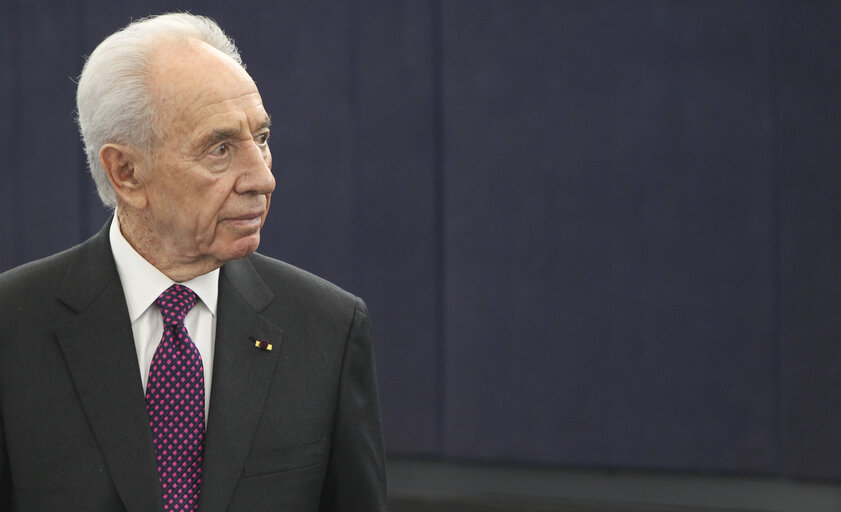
[[242, 374], [97, 344]]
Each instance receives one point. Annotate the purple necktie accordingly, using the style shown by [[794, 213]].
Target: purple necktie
[[175, 402]]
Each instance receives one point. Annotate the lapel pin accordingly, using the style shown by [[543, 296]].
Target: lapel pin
[[262, 345]]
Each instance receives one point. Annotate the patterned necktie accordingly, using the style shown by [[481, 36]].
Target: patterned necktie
[[175, 402]]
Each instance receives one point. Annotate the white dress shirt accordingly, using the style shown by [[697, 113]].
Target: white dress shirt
[[142, 284]]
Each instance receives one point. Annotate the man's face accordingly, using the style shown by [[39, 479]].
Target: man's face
[[208, 183]]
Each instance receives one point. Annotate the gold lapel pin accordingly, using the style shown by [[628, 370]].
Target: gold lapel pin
[[262, 345]]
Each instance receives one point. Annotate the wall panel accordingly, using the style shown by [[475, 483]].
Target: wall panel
[[46, 194], [8, 133], [809, 89], [396, 249], [610, 234]]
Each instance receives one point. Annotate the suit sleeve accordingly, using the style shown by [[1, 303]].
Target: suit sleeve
[[5, 472], [355, 478], [5, 477]]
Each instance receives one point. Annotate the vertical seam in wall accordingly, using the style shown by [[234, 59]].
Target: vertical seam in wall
[[436, 34], [83, 174], [774, 77], [354, 99], [15, 118], [358, 277]]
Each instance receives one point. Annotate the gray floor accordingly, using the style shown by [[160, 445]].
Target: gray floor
[[407, 504], [434, 486]]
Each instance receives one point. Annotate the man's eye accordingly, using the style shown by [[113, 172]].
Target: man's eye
[[220, 150], [262, 139]]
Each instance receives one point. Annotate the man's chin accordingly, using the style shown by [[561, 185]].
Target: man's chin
[[242, 247]]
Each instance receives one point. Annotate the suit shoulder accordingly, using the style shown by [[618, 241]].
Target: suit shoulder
[[38, 273], [45, 277], [29, 288], [287, 278]]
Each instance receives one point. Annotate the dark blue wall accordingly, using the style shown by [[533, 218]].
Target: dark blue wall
[[591, 233]]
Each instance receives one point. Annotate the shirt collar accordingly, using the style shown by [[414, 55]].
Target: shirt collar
[[143, 283]]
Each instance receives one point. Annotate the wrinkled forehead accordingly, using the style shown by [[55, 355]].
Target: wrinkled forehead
[[189, 77]]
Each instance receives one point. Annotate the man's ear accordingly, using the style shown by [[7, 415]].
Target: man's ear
[[121, 165]]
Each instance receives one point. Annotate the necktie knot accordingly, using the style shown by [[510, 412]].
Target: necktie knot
[[175, 302]]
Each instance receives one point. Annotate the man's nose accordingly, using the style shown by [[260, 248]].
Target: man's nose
[[256, 177]]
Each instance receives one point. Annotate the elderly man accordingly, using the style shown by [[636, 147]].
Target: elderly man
[[163, 364]]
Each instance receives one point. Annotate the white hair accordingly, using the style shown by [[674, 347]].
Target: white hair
[[114, 102]]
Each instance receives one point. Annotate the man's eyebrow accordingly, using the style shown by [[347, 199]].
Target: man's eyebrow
[[222, 134], [217, 135], [265, 124]]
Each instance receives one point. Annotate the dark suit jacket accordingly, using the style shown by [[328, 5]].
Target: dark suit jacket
[[293, 429]]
